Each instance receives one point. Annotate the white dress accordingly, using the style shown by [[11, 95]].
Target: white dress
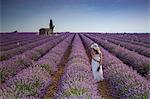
[[98, 75]]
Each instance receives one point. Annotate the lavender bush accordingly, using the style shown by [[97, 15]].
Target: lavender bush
[[125, 82], [30, 82], [141, 50], [15, 51], [122, 37], [11, 38], [34, 80], [51, 60], [77, 82], [21, 43], [12, 66], [138, 62], [138, 37]]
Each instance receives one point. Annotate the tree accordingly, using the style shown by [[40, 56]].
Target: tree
[[51, 25]]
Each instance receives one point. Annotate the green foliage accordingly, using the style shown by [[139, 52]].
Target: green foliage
[[139, 97], [75, 92], [40, 51], [46, 67], [51, 25], [145, 97], [30, 89], [88, 97], [2, 76], [3, 57], [144, 69]]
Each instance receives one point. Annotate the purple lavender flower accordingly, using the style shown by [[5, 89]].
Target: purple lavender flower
[[78, 81], [124, 81]]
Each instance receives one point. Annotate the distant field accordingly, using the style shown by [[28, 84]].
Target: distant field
[[59, 67]]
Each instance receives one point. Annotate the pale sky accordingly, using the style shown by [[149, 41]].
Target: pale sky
[[76, 15]]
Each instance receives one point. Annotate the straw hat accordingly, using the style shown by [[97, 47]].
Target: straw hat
[[96, 47]]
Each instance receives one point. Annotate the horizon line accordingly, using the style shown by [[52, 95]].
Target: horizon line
[[74, 32]]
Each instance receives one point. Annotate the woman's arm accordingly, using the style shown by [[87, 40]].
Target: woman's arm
[[101, 57], [92, 53]]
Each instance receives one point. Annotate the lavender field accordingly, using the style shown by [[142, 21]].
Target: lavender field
[[59, 67]]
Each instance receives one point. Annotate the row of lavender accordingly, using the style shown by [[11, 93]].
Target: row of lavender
[[54, 56], [139, 49], [77, 81], [9, 38], [131, 58], [124, 39], [124, 81], [21, 43], [4, 55], [138, 37], [10, 67], [34, 81]]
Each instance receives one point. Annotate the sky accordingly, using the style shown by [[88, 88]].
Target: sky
[[75, 15]]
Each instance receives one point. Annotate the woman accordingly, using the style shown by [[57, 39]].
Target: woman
[[97, 62]]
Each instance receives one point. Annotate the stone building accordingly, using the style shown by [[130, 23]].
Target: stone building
[[47, 31]]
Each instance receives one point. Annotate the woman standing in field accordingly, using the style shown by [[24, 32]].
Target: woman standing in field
[[97, 62]]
